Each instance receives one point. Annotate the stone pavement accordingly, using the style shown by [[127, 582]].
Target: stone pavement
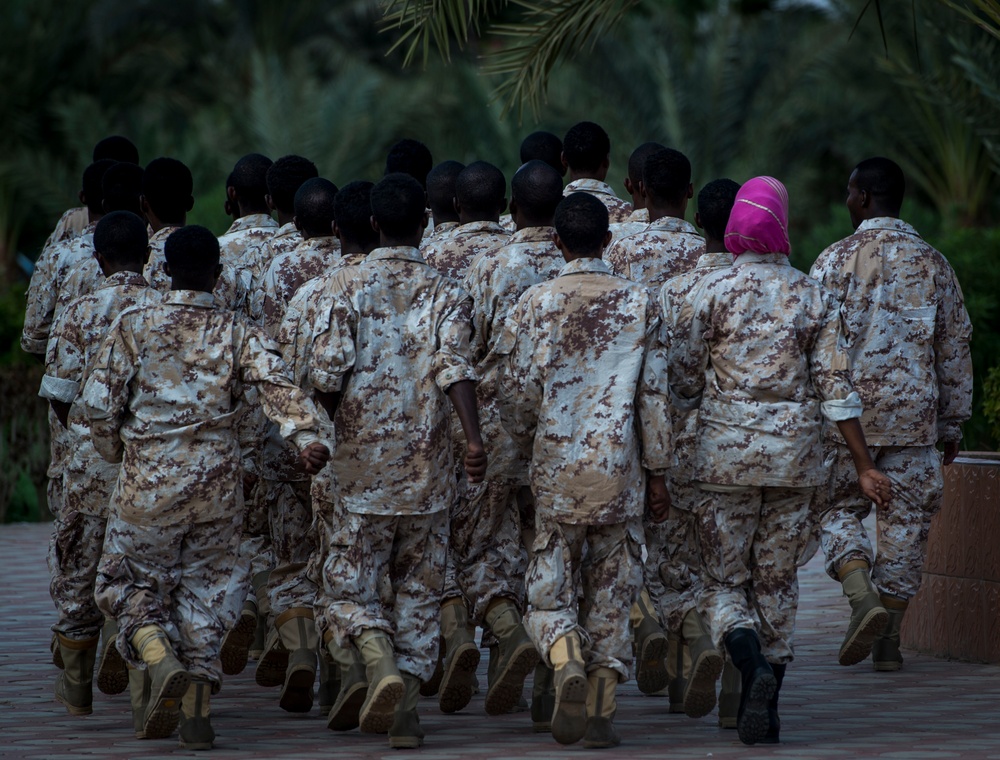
[[931, 709]]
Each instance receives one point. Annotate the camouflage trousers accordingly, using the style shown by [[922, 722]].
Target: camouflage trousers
[[177, 577], [74, 553], [751, 540], [486, 559], [584, 578], [917, 492], [293, 540], [256, 542], [55, 495], [410, 551]]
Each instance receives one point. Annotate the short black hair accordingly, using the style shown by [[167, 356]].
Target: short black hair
[[117, 148], [883, 179], [543, 146], [410, 157], [192, 251], [352, 210], [585, 146], [638, 159], [715, 202], [93, 192], [314, 207], [441, 183], [398, 204], [284, 178], [582, 223], [121, 238], [167, 186], [249, 179], [666, 175], [121, 187], [537, 189], [480, 188]]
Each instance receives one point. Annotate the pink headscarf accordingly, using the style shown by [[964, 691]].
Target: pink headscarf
[[759, 220]]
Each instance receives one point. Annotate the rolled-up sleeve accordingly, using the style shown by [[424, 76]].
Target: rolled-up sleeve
[[453, 358]]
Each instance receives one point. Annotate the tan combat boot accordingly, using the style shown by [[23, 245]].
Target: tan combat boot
[[112, 675], [297, 630], [75, 685], [329, 682], [405, 731], [168, 681], [868, 616], [385, 684], [517, 657], [138, 687], [345, 714], [729, 695], [678, 663], [56, 654], [236, 643], [706, 666], [569, 716], [886, 656], [196, 728], [432, 685], [273, 663], [651, 646], [543, 699], [601, 708], [461, 657]]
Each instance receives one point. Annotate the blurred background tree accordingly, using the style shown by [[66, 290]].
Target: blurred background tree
[[743, 87]]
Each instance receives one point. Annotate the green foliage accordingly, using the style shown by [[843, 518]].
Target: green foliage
[[24, 445], [991, 402]]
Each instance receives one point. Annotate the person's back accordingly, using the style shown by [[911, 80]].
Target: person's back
[[246, 191], [441, 181], [587, 156], [638, 220]]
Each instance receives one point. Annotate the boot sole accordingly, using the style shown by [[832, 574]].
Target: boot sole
[[165, 709], [346, 715], [699, 697], [569, 720], [457, 684], [272, 668], [379, 711], [297, 692], [405, 742], [859, 646], [112, 674], [75, 709], [651, 671], [887, 667], [506, 691], [236, 646], [753, 724]]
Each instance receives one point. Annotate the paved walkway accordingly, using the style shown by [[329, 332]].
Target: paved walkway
[[931, 709]]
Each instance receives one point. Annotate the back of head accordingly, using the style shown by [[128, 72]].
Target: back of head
[[192, 252], [586, 146], [715, 202], [249, 180], [314, 207], [543, 146], [167, 186], [480, 190], [581, 222], [93, 181], [441, 181], [638, 159], [398, 205], [758, 222], [284, 178], [117, 148], [410, 157], [121, 238], [537, 188], [883, 179], [666, 176], [121, 188], [352, 210]]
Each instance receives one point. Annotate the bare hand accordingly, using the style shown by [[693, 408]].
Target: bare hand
[[658, 498], [314, 457], [475, 463], [876, 486], [950, 451]]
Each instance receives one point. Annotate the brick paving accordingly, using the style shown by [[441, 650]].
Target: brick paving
[[931, 709]]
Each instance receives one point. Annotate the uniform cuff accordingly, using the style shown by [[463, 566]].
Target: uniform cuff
[[59, 389], [840, 409]]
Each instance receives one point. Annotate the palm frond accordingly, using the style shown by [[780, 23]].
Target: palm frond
[[422, 22]]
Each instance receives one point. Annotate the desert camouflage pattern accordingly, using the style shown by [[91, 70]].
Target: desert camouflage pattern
[[903, 526], [240, 249], [618, 210], [666, 248], [508, 224], [230, 289], [760, 358], [74, 552], [581, 397], [436, 232], [637, 221], [289, 270], [282, 239], [394, 338], [452, 253], [584, 578], [751, 542], [907, 333], [163, 397], [71, 225], [293, 540]]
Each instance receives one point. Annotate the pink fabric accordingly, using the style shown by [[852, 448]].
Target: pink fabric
[[759, 219]]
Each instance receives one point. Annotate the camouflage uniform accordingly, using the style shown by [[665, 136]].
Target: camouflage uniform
[[396, 338], [907, 334], [78, 531], [508, 224], [230, 290], [637, 221], [618, 210], [436, 232], [284, 239], [241, 250], [289, 270], [452, 253], [666, 248], [163, 398], [759, 358], [71, 225], [576, 385]]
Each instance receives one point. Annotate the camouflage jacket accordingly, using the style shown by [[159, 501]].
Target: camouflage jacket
[[436, 232], [285, 238], [452, 253], [71, 225], [666, 248], [230, 290], [241, 248], [290, 269], [907, 333], [618, 210], [583, 392], [761, 356], [637, 221]]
